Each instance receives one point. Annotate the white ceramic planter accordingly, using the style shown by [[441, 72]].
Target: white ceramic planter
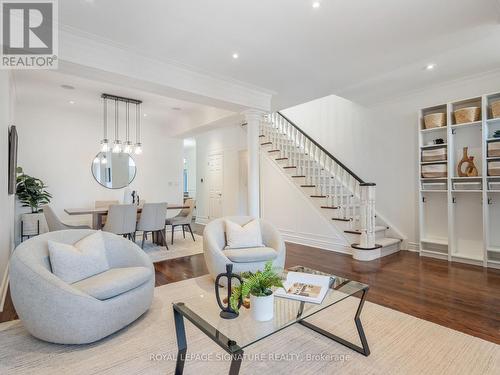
[[262, 308]]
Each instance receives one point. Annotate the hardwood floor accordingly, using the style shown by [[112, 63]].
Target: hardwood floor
[[459, 296]]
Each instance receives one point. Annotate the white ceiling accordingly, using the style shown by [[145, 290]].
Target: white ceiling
[[44, 87], [361, 49]]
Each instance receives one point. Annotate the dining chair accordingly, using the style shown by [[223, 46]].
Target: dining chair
[[183, 219], [153, 220], [104, 204], [53, 222], [122, 220]]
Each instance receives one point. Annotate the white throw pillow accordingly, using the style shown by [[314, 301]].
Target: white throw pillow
[[248, 235], [72, 263]]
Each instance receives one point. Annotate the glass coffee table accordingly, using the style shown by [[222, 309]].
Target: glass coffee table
[[234, 335]]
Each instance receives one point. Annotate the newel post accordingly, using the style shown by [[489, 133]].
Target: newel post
[[367, 216]]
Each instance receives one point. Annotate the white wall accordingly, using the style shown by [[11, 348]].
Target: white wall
[[7, 96], [190, 165], [228, 141], [58, 142], [379, 143]]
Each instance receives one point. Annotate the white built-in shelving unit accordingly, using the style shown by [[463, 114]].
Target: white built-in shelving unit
[[461, 225]]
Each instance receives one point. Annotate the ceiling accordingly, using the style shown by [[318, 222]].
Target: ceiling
[[44, 88], [360, 49]]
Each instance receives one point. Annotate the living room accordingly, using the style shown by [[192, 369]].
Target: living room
[[210, 187]]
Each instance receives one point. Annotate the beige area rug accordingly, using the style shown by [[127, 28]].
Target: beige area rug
[[399, 343], [181, 247]]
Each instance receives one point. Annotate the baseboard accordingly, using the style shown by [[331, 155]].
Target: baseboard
[[413, 246], [3, 287], [321, 242], [202, 220]]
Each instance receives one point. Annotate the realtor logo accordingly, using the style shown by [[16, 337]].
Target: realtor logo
[[29, 34]]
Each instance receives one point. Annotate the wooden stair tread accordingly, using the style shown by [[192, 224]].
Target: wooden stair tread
[[307, 185], [266, 143], [330, 207], [378, 228], [318, 196], [281, 159], [339, 219], [274, 150], [298, 176], [290, 166]]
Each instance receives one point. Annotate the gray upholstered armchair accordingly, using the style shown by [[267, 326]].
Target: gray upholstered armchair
[[243, 260], [88, 310]]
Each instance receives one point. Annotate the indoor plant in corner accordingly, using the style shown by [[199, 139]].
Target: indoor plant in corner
[[259, 286], [31, 193]]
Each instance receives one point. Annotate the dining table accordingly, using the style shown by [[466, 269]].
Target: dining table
[[99, 213]]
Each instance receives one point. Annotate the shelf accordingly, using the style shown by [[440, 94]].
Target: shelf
[[444, 254], [432, 130], [437, 241], [493, 191], [467, 178], [436, 146], [493, 121], [492, 139], [433, 178], [433, 191], [467, 125], [494, 249], [466, 191], [493, 158], [435, 162]]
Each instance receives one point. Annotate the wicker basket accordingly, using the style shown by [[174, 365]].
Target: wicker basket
[[434, 120], [469, 114], [495, 109], [434, 171]]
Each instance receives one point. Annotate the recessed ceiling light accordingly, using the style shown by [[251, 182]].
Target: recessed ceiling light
[[316, 4], [430, 66], [176, 108], [235, 55], [68, 87], [71, 102], [145, 114]]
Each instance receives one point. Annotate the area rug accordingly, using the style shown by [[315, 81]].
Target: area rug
[[399, 343], [181, 248]]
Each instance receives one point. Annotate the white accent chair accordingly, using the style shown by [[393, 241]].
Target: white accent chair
[[183, 219], [88, 310], [246, 259], [53, 222], [153, 220], [122, 219]]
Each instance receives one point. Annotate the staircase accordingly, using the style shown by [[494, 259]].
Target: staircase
[[345, 199]]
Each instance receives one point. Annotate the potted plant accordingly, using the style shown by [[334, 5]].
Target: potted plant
[[31, 193], [258, 286]]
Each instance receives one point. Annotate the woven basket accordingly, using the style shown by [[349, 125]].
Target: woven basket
[[469, 114], [495, 109], [434, 120]]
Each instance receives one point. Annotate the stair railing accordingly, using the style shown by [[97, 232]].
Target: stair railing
[[333, 182]]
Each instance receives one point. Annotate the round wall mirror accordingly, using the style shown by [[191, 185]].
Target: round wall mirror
[[114, 170]]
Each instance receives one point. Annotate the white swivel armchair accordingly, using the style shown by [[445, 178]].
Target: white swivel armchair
[[85, 311], [243, 260]]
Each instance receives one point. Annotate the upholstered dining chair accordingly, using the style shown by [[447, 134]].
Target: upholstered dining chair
[[183, 219], [153, 220], [53, 222], [105, 204], [122, 220]]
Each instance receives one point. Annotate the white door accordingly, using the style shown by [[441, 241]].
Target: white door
[[215, 184]]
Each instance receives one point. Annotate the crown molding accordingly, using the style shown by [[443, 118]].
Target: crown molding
[[86, 55]]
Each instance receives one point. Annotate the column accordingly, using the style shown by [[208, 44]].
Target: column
[[253, 119]]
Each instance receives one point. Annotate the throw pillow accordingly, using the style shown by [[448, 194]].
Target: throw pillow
[[72, 263], [248, 235]]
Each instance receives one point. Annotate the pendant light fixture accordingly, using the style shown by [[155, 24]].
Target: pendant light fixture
[[119, 146], [105, 141], [138, 144]]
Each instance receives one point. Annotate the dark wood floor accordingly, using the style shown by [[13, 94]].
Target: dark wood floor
[[462, 297]]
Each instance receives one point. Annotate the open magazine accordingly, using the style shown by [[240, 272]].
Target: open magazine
[[305, 287]]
